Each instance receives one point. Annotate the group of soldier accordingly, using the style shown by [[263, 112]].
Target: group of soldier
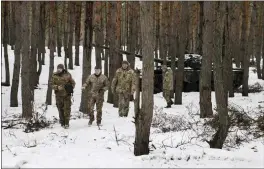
[[123, 85]]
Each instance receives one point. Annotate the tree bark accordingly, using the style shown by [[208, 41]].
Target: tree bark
[[206, 69], [5, 42], [233, 42], [183, 33], [71, 30], [164, 32], [258, 36], [108, 24], [244, 41], [157, 27], [220, 95], [18, 43], [144, 117], [65, 32], [27, 104], [12, 25], [41, 39], [34, 46], [200, 30], [132, 40], [87, 52], [77, 32], [52, 30], [98, 32], [114, 56], [58, 29], [43, 22]]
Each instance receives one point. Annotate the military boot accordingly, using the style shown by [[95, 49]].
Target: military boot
[[168, 105], [98, 122], [66, 124], [91, 120]]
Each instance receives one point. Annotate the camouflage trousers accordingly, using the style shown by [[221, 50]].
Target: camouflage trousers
[[98, 100], [123, 104], [63, 104], [167, 95]]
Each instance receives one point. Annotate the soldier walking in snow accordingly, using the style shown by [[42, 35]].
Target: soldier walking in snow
[[124, 84], [167, 85], [63, 84], [97, 84]]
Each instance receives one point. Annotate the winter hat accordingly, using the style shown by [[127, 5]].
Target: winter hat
[[125, 62], [97, 67], [61, 66]]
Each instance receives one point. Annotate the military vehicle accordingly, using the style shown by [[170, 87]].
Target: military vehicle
[[192, 69]]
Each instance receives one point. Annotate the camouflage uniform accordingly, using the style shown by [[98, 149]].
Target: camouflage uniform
[[63, 99], [97, 85], [124, 84], [168, 86]]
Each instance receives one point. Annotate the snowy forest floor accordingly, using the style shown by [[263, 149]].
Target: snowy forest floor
[[177, 135]]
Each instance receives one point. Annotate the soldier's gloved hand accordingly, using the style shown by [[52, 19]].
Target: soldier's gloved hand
[[83, 88], [60, 87]]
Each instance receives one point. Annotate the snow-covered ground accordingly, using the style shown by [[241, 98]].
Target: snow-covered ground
[[83, 146]]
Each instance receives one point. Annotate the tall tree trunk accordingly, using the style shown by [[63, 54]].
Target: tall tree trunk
[[18, 43], [78, 9], [41, 39], [58, 28], [114, 56], [206, 69], [65, 32], [258, 33], [108, 24], [118, 57], [200, 30], [157, 33], [144, 117], [27, 104], [34, 46], [5, 42], [98, 32], [244, 41], [52, 30], [174, 35], [164, 32], [71, 30], [220, 95], [183, 33], [233, 42], [87, 52], [12, 25], [43, 31], [132, 40]]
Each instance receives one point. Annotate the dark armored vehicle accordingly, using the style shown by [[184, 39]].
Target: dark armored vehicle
[[192, 68]]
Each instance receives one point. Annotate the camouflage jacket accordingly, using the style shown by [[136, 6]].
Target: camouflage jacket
[[60, 79], [124, 81], [168, 80], [96, 85]]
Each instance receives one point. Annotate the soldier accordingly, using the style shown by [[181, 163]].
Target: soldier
[[124, 84], [63, 84], [167, 85], [97, 84]]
